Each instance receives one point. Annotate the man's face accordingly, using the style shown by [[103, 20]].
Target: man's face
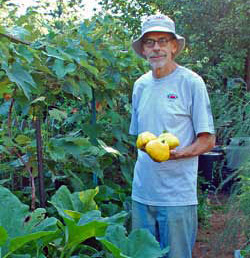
[[159, 48]]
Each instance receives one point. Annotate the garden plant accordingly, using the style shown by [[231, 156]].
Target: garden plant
[[66, 158]]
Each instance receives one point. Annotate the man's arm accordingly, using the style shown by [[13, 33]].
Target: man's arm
[[204, 142]]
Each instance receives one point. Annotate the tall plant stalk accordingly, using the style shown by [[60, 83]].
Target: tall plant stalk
[[39, 147]]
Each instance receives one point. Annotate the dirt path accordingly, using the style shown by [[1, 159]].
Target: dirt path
[[220, 238]]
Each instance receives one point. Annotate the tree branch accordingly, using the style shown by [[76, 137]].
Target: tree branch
[[14, 39], [9, 117]]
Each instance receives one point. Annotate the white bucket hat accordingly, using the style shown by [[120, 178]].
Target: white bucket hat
[[159, 23]]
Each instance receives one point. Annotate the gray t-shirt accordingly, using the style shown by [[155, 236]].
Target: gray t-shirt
[[178, 103]]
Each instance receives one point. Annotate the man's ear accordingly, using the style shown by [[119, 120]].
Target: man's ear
[[142, 50], [174, 47], [144, 53]]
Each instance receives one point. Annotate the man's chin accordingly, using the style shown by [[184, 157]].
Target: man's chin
[[156, 65]]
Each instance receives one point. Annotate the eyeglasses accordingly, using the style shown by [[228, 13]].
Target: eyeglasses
[[162, 42]]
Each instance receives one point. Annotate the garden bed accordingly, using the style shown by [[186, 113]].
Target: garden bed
[[217, 240]]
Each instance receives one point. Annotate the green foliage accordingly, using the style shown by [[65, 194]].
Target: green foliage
[[21, 226], [204, 208], [55, 79], [29, 234], [231, 111], [130, 11], [138, 244], [81, 202], [75, 76], [244, 194], [217, 33], [246, 252]]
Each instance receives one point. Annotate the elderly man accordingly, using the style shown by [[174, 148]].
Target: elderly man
[[173, 98]]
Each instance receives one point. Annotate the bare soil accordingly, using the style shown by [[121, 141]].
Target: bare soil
[[223, 234]]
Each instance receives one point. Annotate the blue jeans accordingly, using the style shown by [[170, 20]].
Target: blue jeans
[[173, 226]]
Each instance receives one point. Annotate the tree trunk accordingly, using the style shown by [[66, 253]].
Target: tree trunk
[[40, 162], [93, 122], [247, 70]]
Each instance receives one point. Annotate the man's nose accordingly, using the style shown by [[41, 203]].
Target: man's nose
[[156, 46]]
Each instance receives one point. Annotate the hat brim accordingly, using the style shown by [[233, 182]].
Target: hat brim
[[137, 44]]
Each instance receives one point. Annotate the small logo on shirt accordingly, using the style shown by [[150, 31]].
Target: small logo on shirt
[[172, 96]]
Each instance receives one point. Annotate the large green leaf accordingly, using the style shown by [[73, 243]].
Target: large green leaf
[[13, 224], [4, 52], [79, 89], [86, 89], [21, 225], [75, 52], [118, 218], [18, 242], [19, 75], [72, 87], [81, 218], [4, 108], [114, 250], [75, 146], [63, 200], [74, 204], [61, 69], [90, 224], [41, 66], [93, 130], [139, 244], [25, 52], [93, 70], [77, 233], [55, 52], [87, 198], [22, 139]]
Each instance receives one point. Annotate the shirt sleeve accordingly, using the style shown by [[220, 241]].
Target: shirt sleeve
[[201, 109]]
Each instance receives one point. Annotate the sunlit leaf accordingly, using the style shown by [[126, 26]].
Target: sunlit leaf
[[73, 214], [109, 149], [40, 99], [87, 198], [76, 203], [22, 139], [58, 114]]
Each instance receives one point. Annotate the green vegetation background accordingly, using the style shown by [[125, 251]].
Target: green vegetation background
[[65, 102]]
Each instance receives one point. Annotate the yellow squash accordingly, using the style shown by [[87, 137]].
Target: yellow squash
[[171, 139], [158, 150], [143, 139]]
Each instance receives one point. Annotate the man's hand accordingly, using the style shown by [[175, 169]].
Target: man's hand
[[204, 143]]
